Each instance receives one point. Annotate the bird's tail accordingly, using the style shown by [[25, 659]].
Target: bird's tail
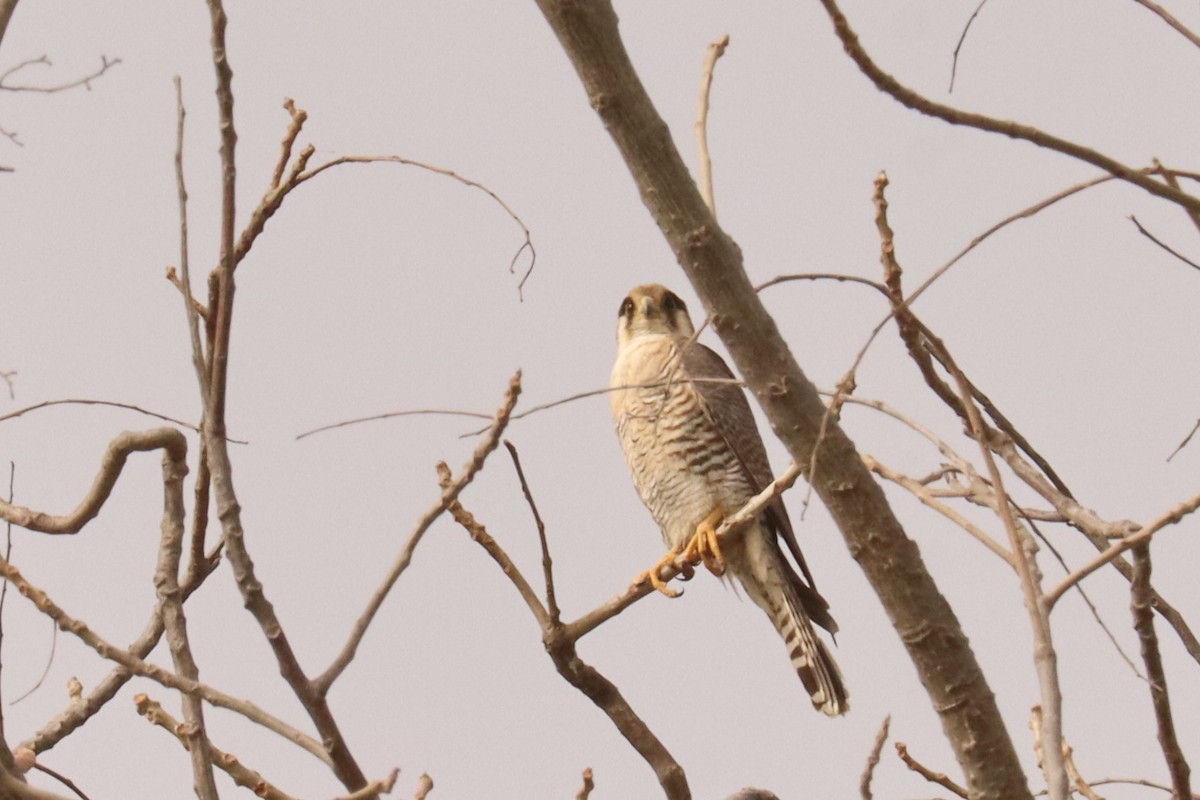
[[768, 586]]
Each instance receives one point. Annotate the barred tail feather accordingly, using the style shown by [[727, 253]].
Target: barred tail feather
[[762, 575], [811, 659]]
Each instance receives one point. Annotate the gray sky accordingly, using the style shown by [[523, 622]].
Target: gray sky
[[381, 288]]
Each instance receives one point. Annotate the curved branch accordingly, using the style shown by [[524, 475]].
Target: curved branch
[[907, 97], [110, 469]]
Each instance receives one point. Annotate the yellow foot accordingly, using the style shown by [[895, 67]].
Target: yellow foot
[[652, 574], [704, 545]]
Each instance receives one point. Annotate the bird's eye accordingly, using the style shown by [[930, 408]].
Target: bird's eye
[[626, 308], [672, 303]]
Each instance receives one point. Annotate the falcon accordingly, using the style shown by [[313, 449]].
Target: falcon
[[695, 454]]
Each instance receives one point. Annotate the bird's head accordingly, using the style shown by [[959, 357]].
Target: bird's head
[[652, 309]]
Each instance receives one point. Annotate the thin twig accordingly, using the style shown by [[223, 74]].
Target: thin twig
[[500, 421], [919, 341], [185, 284], [1086, 600], [424, 786], [373, 788], [440, 412], [886, 83], [1185, 441], [940, 778], [821, 276], [242, 775], [1143, 623], [81, 709], [927, 498], [299, 116], [80, 401], [1081, 785], [58, 776], [962, 38], [449, 173], [1166, 17], [106, 64], [1172, 178], [1169, 517], [1162, 244], [547, 562], [7, 761], [138, 666], [480, 536], [864, 783], [716, 49], [585, 791]]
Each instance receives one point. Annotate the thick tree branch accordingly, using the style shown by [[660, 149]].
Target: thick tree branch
[[921, 616]]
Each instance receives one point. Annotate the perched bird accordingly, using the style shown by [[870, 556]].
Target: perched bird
[[695, 454]]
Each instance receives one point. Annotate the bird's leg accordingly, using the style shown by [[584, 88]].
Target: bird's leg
[[704, 545], [652, 574], [702, 548]]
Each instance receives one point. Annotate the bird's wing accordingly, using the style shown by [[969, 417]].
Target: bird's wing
[[726, 407]]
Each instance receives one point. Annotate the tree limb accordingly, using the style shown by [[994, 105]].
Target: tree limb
[[921, 616]]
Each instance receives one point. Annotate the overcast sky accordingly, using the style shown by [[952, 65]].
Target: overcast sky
[[383, 288]]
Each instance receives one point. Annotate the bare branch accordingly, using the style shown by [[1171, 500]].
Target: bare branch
[[588, 784], [547, 562], [1162, 244], [79, 401], [962, 38], [1143, 623], [228, 763], [440, 412], [500, 421], [424, 787], [604, 693], [81, 709], [185, 284], [907, 97], [1185, 441], [923, 494], [1170, 517], [1081, 786], [170, 598], [299, 116], [716, 49], [822, 276], [1171, 177], [110, 469], [106, 64], [923, 619], [480, 536], [155, 673], [940, 778], [1022, 547], [864, 783], [1166, 17], [449, 173], [376, 787]]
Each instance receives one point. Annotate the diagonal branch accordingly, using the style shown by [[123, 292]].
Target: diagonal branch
[[907, 97], [923, 620], [1143, 623], [450, 493]]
